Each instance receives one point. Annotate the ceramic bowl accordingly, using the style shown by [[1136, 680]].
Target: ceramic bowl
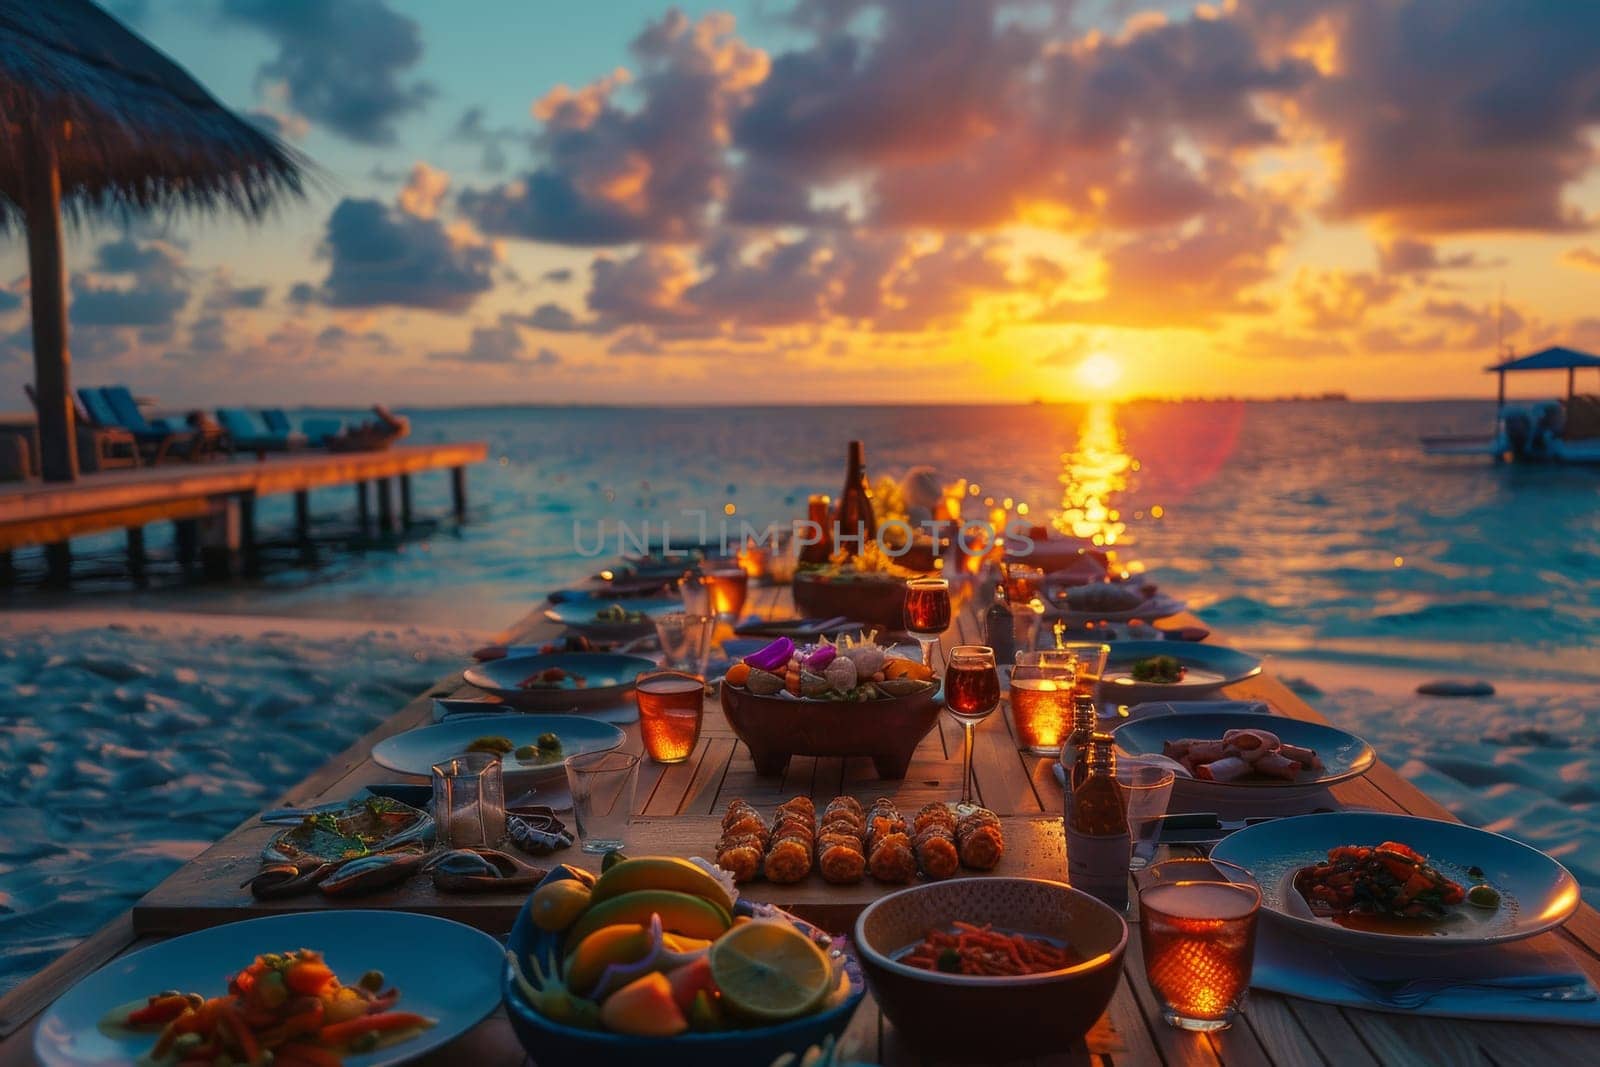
[[987, 1019], [556, 1045]]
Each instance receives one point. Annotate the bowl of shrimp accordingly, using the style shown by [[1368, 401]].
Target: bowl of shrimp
[[1038, 954]]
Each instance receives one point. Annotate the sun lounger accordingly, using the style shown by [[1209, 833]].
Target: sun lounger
[[155, 441], [318, 430], [101, 446], [246, 434]]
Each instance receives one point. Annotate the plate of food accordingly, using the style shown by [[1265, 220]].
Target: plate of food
[[559, 681], [381, 999], [612, 620], [525, 743], [1172, 670], [1230, 756], [1111, 602], [1401, 884], [355, 827]]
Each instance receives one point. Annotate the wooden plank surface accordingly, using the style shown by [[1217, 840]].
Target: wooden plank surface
[[679, 809], [33, 511]]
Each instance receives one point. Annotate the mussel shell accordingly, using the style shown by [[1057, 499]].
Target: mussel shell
[[279, 880], [464, 861], [763, 683], [367, 874]]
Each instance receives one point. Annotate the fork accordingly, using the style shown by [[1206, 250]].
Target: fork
[[1415, 992]]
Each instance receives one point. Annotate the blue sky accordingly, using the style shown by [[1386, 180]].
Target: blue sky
[[813, 200]]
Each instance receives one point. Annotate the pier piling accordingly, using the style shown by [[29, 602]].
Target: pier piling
[[302, 515], [58, 559], [458, 491], [136, 555], [364, 508], [385, 507], [405, 501]]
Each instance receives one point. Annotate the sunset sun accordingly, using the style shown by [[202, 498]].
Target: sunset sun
[[1098, 371]]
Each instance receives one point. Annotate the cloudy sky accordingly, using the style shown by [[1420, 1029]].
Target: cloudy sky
[[862, 201]]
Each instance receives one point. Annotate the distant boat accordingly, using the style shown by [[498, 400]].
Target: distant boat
[[1540, 431]]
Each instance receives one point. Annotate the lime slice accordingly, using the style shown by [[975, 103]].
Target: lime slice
[[769, 970]]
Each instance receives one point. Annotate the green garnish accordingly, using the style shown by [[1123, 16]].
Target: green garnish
[[949, 961], [549, 742], [1163, 670], [495, 746], [1484, 896]]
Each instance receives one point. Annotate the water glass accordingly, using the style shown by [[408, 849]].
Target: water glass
[[602, 784], [695, 593], [671, 704], [1023, 583], [1041, 699], [1146, 789], [1091, 657], [469, 801], [1197, 924], [685, 640]]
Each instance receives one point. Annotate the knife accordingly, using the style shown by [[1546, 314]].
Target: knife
[[1202, 827]]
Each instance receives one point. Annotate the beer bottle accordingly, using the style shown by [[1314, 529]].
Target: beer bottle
[[1098, 842]]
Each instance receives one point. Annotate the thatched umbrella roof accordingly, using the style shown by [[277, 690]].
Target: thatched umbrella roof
[[95, 118]]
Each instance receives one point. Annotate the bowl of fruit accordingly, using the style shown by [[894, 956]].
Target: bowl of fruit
[[657, 963], [850, 698], [869, 588]]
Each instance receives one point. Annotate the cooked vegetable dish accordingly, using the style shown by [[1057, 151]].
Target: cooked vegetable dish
[[1390, 880]]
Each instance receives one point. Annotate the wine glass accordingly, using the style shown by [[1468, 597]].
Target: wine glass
[[927, 612], [971, 693]]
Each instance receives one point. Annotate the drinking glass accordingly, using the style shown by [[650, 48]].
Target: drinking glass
[[1022, 582], [685, 640], [602, 785], [696, 594], [1041, 699], [1147, 789], [1091, 657], [927, 613], [1197, 922], [727, 586], [971, 693], [469, 801], [671, 704]]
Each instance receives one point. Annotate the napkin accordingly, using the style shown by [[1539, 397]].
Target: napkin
[[1298, 967]]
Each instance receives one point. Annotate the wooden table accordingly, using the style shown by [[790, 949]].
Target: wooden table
[[679, 814]]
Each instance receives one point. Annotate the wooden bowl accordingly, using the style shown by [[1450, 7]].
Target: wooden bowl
[[984, 1019], [775, 728], [879, 602]]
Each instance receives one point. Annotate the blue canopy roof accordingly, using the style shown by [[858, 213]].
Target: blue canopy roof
[[1556, 358]]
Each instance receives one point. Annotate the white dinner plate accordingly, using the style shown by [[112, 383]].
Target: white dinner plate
[[416, 751]]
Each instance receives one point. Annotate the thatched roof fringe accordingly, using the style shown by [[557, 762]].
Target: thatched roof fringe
[[133, 131]]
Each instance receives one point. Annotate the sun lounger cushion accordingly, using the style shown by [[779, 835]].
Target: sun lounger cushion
[[318, 431], [277, 421], [126, 410], [97, 408]]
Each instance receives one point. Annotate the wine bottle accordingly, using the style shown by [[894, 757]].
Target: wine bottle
[[999, 630], [855, 522], [1098, 842]]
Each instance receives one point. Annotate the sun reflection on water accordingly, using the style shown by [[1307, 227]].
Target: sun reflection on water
[[1092, 477]]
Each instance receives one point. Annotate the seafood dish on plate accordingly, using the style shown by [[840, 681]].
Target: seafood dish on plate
[[354, 828], [1389, 886], [1242, 753], [284, 1008], [850, 841]]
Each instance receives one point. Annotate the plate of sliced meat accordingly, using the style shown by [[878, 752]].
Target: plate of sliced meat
[[1223, 755]]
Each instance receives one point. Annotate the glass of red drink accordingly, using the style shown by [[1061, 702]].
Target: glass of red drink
[[671, 705], [927, 612], [971, 693], [1197, 923]]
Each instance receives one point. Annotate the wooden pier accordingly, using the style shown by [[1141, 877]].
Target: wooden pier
[[213, 504]]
